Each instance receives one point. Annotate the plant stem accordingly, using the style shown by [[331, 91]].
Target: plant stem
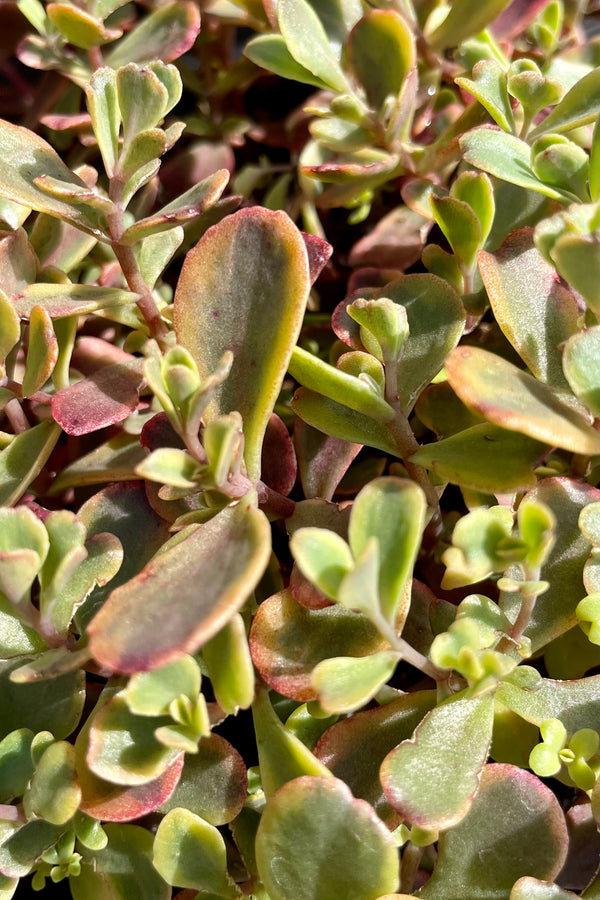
[[408, 653], [16, 416], [409, 867]]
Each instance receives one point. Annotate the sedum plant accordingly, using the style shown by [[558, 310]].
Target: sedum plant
[[299, 507]]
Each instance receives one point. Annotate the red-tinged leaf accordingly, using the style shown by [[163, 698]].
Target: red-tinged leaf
[[114, 803], [248, 276], [354, 748], [24, 458], [318, 251], [515, 828], [396, 241], [322, 460], [536, 312], [18, 266], [278, 457], [166, 34], [381, 52], [93, 353], [104, 398], [62, 300], [515, 400], [185, 594], [287, 641], [513, 20]]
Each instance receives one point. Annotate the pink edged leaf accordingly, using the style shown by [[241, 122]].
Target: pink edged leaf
[[319, 252], [213, 782], [24, 458], [104, 398], [528, 888], [396, 241], [515, 400], [287, 641], [60, 300], [515, 828], [454, 737], [166, 34], [515, 18], [244, 288], [18, 265], [301, 824], [554, 611], [185, 594], [536, 312], [575, 703], [354, 748]]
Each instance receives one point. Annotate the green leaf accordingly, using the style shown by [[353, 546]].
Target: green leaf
[[103, 107], [269, 51], [580, 106], [53, 705], [535, 311], [24, 546], [21, 850], [465, 18], [229, 664], [212, 783], [476, 539], [123, 870], [574, 703], [42, 352], [10, 329], [392, 510], [226, 555], [282, 756], [581, 366], [515, 400], [190, 853], [16, 638], [484, 458], [16, 765], [515, 828], [308, 43], [341, 422], [488, 85], [170, 465], [259, 289], [61, 300], [381, 52], [346, 683], [460, 225], [24, 459], [122, 747], [528, 888], [165, 34], [151, 693], [298, 828], [142, 98], [453, 737], [25, 157], [577, 259], [78, 27], [323, 557], [54, 793], [144, 148], [507, 157], [334, 383]]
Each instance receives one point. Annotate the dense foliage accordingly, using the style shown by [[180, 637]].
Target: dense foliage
[[299, 515]]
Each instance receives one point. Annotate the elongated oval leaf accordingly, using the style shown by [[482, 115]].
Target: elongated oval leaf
[[270, 51], [578, 107], [515, 400], [346, 683], [465, 18], [24, 458], [191, 853], [381, 52], [575, 702], [104, 398], [299, 827], [61, 300], [341, 422], [307, 41], [514, 828], [185, 594], [165, 34], [453, 738], [534, 310], [244, 288]]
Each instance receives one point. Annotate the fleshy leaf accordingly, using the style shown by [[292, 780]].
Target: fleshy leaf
[[488, 85], [123, 870], [528, 888], [392, 510], [150, 693], [16, 765], [322, 460], [287, 641], [24, 458], [582, 370], [575, 703], [61, 300], [579, 106], [229, 664], [344, 684], [515, 828], [270, 52], [485, 458], [515, 400], [42, 352], [27, 156], [248, 275], [53, 705], [300, 825], [354, 748], [20, 850], [381, 52], [535, 311], [506, 156], [54, 793], [308, 43], [191, 853], [465, 18], [341, 422], [165, 34], [456, 736], [225, 556], [323, 557], [104, 398]]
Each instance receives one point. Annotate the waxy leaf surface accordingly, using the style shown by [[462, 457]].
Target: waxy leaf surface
[[244, 288], [54, 705], [515, 400], [61, 300], [168, 32], [301, 824], [24, 458], [185, 594], [190, 852], [535, 311], [514, 828], [104, 398], [432, 778], [576, 703]]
